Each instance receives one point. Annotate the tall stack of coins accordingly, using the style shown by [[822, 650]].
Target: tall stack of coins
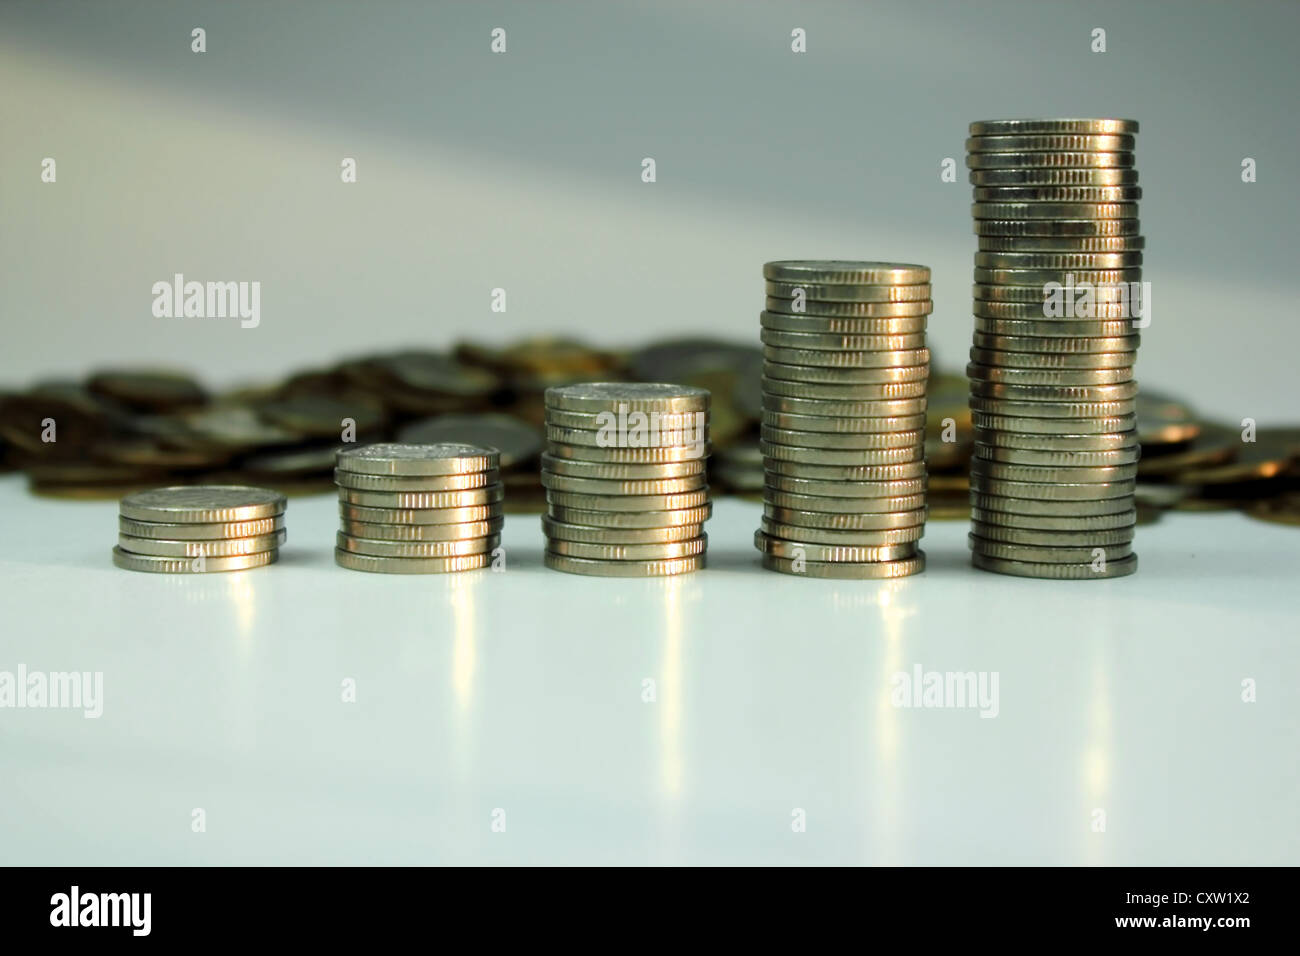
[[625, 478], [843, 435], [418, 509], [194, 529], [1057, 287]]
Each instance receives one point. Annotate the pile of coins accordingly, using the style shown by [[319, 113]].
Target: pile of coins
[[1057, 289], [843, 435], [418, 508], [195, 529], [625, 472]]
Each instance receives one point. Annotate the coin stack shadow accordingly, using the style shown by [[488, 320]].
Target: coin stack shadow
[[196, 529], [625, 473], [843, 435], [409, 508], [1051, 374]]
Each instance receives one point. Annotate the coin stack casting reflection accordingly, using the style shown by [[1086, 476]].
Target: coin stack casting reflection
[[1057, 289], [418, 508], [625, 478], [843, 436], [195, 529]]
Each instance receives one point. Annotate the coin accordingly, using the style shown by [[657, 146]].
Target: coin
[[447, 548], [842, 378], [419, 516], [202, 504], [851, 570], [811, 551], [1055, 508], [824, 341], [1063, 426], [1034, 362], [1050, 489], [635, 436], [844, 417], [195, 565], [422, 532], [809, 455], [1119, 299], [1049, 377], [1284, 509], [147, 389], [884, 446], [390, 565], [608, 551], [847, 489], [1056, 523], [1048, 555], [1042, 408], [630, 519], [591, 486], [564, 531], [357, 481], [1051, 142], [827, 325], [1057, 261], [623, 569], [864, 392], [614, 471], [838, 359], [1116, 226], [257, 527], [846, 293], [640, 503], [1063, 572], [840, 272], [1056, 394], [1057, 344], [1052, 211], [396, 458], [644, 397], [212, 548], [846, 472], [1108, 318], [422, 499], [815, 308], [1057, 194], [990, 438], [996, 470], [1051, 160], [696, 451], [1023, 127], [843, 521], [609, 420], [1053, 177], [996, 531], [872, 538], [1058, 459], [836, 504]]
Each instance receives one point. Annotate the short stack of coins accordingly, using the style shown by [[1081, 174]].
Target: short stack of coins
[[1057, 289], [418, 508], [625, 473], [843, 434], [196, 529]]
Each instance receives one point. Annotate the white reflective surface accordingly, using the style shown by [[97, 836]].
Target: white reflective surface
[[525, 692]]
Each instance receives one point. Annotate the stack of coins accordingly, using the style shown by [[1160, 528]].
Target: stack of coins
[[194, 529], [843, 435], [1057, 289], [418, 509], [625, 478]]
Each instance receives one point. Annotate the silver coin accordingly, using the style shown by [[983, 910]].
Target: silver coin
[[834, 472], [1056, 394], [444, 548], [218, 548], [844, 272], [422, 532], [1056, 523], [196, 565], [1102, 295], [612, 419], [1051, 143], [836, 521], [1078, 425], [829, 456], [843, 506], [813, 308], [1123, 159], [1036, 279], [841, 422], [1047, 555], [1052, 177], [468, 481], [398, 458], [630, 456], [564, 531], [644, 397], [1086, 261], [419, 516], [901, 325], [830, 341], [623, 569], [850, 570], [845, 489], [874, 538], [630, 519], [1052, 211], [1106, 441], [1058, 459], [1036, 408], [685, 500], [869, 392], [1060, 572], [840, 378], [1049, 377], [202, 504], [1057, 194], [1054, 508], [1116, 316], [1050, 489], [835, 359], [811, 551], [881, 415], [591, 486], [379, 564], [604, 551], [849, 441], [634, 437], [175, 531], [1057, 344], [919, 292], [613, 471], [475, 497], [1052, 539], [1053, 362], [515, 441], [1057, 227], [991, 470], [1008, 127]]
